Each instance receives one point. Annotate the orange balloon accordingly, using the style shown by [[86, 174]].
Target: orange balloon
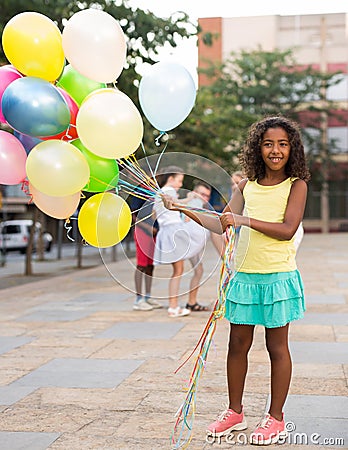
[[57, 207]]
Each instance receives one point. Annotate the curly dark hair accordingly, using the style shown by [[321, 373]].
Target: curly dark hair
[[250, 157]]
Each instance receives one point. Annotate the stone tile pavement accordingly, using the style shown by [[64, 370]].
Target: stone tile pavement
[[80, 370]]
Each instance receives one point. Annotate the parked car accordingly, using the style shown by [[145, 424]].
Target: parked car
[[14, 235]]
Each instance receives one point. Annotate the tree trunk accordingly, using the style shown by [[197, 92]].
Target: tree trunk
[[40, 250], [60, 238], [79, 249], [29, 252], [324, 193]]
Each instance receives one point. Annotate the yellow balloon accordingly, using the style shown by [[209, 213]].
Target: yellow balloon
[[33, 44], [109, 124], [57, 168], [104, 220], [57, 207]]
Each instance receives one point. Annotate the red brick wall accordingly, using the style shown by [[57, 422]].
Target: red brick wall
[[207, 54]]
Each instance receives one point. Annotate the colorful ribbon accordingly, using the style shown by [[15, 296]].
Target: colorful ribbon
[[182, 433]]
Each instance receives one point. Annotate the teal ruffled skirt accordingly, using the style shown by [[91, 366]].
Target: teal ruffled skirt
[[271, 299]]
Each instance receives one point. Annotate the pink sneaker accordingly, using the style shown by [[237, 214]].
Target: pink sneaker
[[269, 431], [227, 421]]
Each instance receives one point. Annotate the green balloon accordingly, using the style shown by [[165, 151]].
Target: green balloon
[[104, 172], [77, 85]]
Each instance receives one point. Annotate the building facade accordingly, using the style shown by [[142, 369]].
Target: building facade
[[319, 40]]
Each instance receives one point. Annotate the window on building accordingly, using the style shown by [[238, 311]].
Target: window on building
[[339, 92], [339, 135], [310, 136], [338, 199]]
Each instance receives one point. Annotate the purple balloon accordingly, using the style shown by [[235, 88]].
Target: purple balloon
[[28, 142]]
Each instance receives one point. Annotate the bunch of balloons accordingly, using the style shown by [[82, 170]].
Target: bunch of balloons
[[69, 127]]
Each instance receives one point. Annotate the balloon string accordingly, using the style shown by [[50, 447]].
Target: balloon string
[[137, 191], [67, 136], [68, 227], [110, 186], [25, 189], [162, 152], [147, 162], [136, 173], [197, 210], [158, 138], [186, 412], [141, 220], [133, 165]]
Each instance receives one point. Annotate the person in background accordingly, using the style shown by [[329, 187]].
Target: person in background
[[173, 241], [199, 197], [145, 231], [236, 177]]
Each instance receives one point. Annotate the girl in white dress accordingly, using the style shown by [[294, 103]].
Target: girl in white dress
[[174, 242]]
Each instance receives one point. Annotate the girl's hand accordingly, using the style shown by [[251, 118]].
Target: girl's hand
[[229, 219]]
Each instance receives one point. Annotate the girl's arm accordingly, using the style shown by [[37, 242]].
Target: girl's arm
[[209, 221], [236, 203], [282, 231]]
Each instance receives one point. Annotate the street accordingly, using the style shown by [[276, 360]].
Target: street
[[80, 370]]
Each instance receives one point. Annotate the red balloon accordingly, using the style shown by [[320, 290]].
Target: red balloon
[[71, 132]]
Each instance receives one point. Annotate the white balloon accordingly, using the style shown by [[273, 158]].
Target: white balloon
[[109, 124], [167, 95], [95, 45]]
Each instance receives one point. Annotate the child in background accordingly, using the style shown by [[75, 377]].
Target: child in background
[[266, 288], [173, 243], [145, 231], [236, 177]]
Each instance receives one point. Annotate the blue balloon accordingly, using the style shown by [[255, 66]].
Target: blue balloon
[[35, 107], [167, 94], [28, 142]]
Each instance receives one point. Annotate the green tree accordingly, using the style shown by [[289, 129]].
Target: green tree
[[145, 33], [246, 87]]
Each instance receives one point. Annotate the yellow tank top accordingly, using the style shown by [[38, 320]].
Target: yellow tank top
[[256, 252]]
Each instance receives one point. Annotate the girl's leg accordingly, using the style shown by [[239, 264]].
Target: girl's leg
[[148, 278], [138, 278], [194, 283], [241, 338], [281, 368], [174, 283]]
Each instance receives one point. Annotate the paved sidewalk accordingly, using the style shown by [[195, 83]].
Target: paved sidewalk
[[80, 370]]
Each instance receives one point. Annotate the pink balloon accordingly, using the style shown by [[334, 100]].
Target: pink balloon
[[12, 159], [7, 75]]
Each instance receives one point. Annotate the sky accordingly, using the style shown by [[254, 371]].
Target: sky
[[234, 8], [186, 53]]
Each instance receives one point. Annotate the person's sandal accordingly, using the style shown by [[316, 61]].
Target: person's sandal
[[197, 307]]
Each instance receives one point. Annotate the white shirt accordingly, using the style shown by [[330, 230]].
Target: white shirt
[[166, 216]]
